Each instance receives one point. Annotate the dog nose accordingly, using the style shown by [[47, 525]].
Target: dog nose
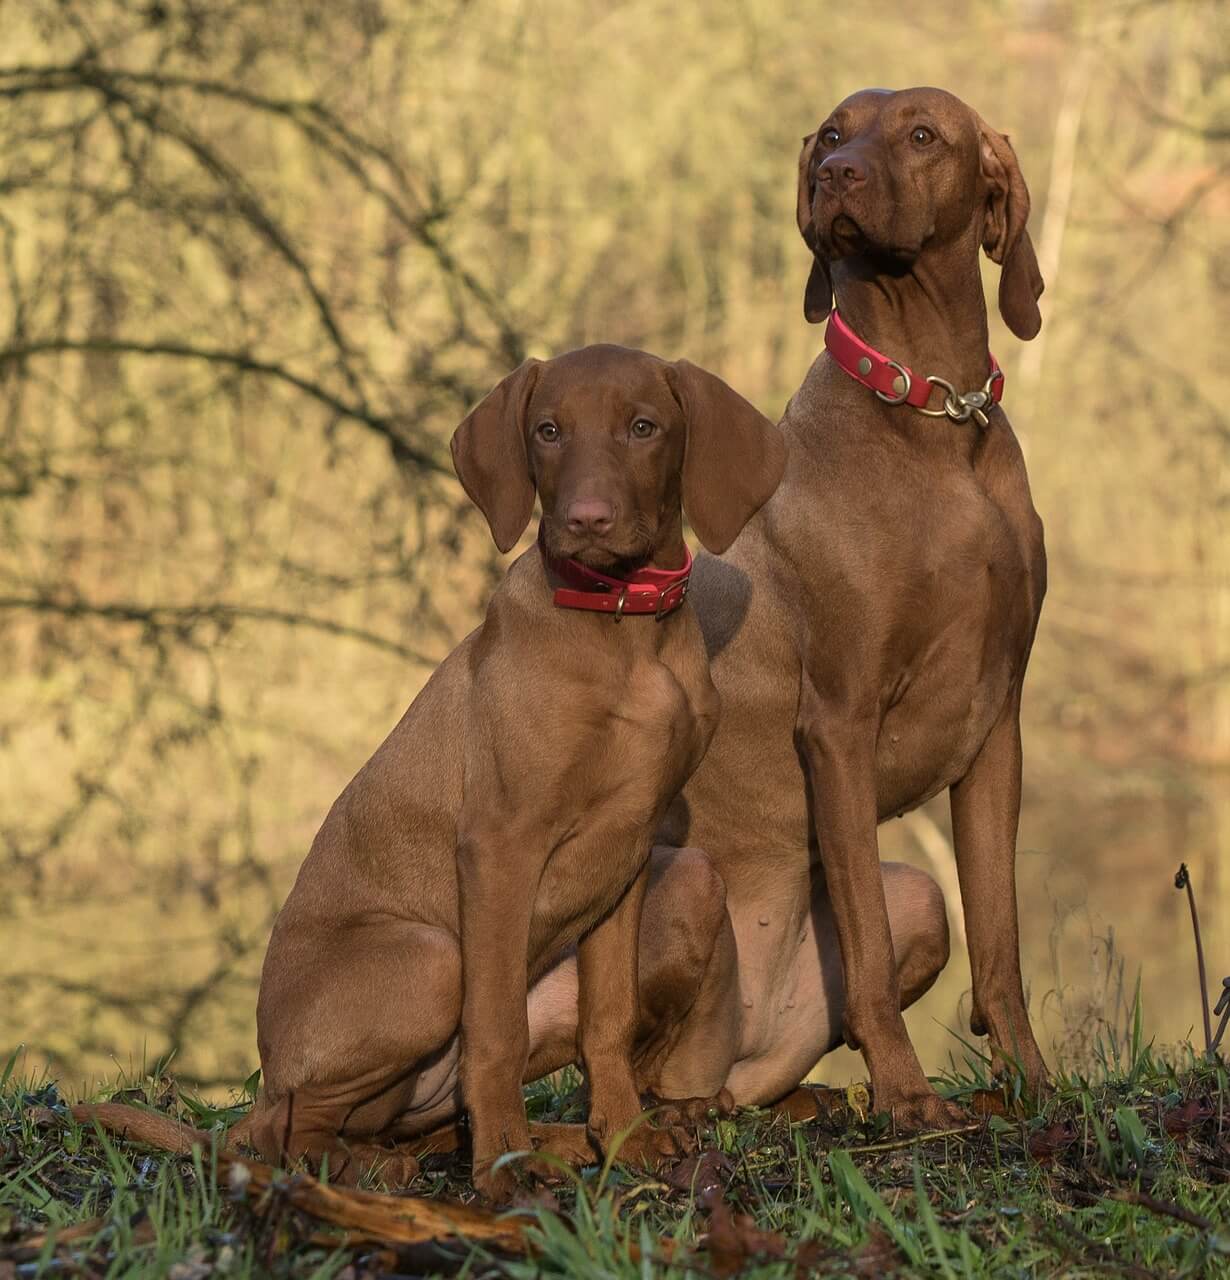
[[843, 171], [590, 515]]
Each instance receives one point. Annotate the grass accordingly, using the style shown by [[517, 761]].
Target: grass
[[1123, 1171]]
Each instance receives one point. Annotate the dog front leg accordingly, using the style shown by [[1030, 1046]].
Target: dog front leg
[[495, 899], [608, 1014], [840, 756], [608, 1017], [986, 807]]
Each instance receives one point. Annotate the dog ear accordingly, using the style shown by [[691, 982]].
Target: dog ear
[[734, 456], [1004, 236], [490, 458], [818, 296]]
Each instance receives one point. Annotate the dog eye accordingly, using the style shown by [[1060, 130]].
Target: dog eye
[[921, 136], [642, 428], [830, 137], [548, 432]]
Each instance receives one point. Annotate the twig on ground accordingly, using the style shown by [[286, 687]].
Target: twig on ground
[[1183, 880], [898, 1144]]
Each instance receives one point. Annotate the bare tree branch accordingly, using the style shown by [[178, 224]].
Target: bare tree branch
[[183, 617]]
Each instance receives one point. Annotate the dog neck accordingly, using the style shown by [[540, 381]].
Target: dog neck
[[670, 550], [932, 317]]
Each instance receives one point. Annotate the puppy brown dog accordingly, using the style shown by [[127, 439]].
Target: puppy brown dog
[[869, 631], [579, 731], [501, 836]]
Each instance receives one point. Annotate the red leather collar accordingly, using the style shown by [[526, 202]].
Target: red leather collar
[[897, 384], [656, 591]]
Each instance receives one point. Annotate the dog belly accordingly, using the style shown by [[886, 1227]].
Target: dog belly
[[791, 1013]]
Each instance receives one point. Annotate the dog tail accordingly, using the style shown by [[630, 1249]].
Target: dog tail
[[162, 1132]]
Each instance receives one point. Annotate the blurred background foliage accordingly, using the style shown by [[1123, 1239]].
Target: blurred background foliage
[[257, 260]]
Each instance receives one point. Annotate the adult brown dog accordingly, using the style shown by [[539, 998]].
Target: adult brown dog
[[501, 835], [870, 629]]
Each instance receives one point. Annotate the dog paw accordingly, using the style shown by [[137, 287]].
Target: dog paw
[[497, 1187], [919, 1113], [348, 1165], [523, 1177], [692, 1112], [651, 1147], [570, 1143], [1037, 1079], [394, 1169]]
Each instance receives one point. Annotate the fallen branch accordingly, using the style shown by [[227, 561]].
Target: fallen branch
[[1165, 1208], [366, 1217], [369, 1218], [914, 1139]]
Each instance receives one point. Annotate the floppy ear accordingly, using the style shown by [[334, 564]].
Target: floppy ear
[[490, 459], [734, 457], [1004, 236], [818, 296]]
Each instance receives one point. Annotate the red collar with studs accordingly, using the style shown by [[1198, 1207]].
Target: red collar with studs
[[655, 591], [897, 384]]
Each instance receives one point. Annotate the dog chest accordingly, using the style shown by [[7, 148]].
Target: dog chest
[[956, 658], [625, 771]]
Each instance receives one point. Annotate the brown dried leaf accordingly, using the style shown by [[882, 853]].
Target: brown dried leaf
[[1046, 1144], [810, 1257], [734, 1240], [877, 1256], [1190, 1115], [703, 1174]]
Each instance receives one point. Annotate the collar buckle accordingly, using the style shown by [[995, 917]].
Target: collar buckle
[[901, 384], [663, 608], [961, 406]]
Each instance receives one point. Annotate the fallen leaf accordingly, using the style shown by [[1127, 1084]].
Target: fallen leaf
[[1045, 1144], [810, 1257], [877, 1255], [858, 1099], [1179, 1120], [734, 1240], [706, 1172]]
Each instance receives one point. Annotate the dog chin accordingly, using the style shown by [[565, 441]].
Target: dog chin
[[843, 237], [846, 238], [605, 559]]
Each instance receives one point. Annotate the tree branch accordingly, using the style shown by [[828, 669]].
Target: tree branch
[[380, 423], [180, 616]]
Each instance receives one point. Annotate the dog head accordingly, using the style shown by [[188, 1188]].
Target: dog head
[[890, 174], [613, 441]]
